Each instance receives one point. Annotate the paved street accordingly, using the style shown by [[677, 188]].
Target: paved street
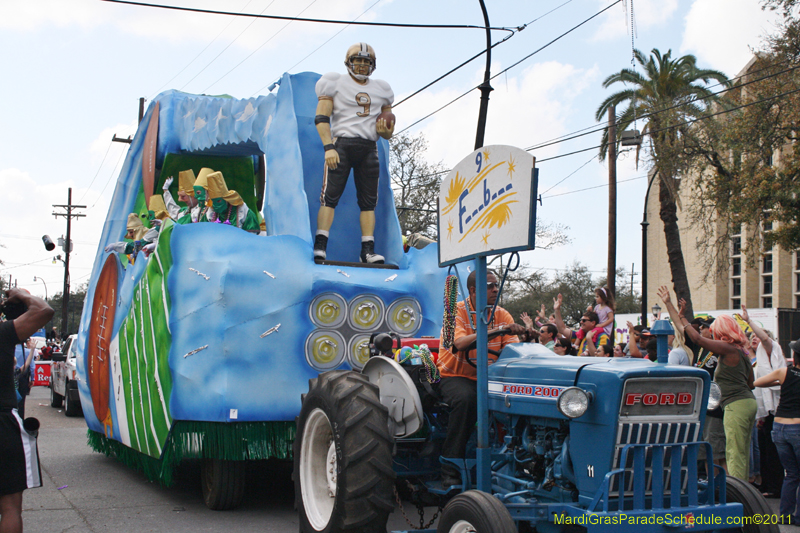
[[86, 492], [101, 495]]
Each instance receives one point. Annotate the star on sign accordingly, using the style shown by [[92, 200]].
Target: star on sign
[[449, 228], [512, 166], [485, 238], [486, 155]]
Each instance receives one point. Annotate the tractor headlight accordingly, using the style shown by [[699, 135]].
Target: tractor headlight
[[404, 316], [573, 402], [714, 396], [328, 310]]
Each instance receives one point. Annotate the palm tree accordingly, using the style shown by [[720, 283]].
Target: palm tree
[[666, 97]]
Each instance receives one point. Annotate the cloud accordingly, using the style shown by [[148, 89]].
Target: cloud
[[615, 23], [28, 214], [523, 110], [182, 26], [725, 44]]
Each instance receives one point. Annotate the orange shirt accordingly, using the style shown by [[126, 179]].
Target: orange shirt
[[453, 364]]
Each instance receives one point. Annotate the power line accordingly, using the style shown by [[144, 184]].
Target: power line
[[226, 47], [316, 49], [98, 170], [590, 188], [570, 174], [321, 21], [512, 66], [201, 53], [577, 134], [113, 173], [684, 123], [260, 47]]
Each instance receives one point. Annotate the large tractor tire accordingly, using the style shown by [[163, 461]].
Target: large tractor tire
[[475, 511], [56, 400], [343, 475], [223, 484], [71, 407], [739, 491]]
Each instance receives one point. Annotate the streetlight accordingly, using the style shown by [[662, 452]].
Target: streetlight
[[45, 285], [656, 311]]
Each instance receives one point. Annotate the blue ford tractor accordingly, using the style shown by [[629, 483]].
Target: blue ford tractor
[[574, 444]]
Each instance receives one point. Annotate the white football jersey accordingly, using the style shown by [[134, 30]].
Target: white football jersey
[[355, 107]]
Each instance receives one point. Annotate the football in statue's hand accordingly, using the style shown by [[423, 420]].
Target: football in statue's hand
[[388, 116]]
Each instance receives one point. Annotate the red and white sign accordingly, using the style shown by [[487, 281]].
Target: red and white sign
[[41, 377], [548, 392], [664, 398]]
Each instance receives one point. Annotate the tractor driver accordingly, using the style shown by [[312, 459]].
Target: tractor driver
[[458, 386]]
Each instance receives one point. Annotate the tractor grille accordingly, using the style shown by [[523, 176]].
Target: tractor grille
[[653, 433], [657, 424]]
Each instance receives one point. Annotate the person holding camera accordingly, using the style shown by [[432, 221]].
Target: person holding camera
[[25, 314]]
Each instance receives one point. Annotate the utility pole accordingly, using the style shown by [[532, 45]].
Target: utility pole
[[69, 215], [612, 199]]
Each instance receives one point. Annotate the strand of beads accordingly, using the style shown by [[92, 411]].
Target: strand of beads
[[449, 320]]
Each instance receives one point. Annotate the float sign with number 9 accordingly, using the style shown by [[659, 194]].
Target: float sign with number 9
[[487, 205]]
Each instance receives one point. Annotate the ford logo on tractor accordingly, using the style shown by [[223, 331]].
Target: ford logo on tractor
[[665, 398]]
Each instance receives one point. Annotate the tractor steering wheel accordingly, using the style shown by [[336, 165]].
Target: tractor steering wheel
[[474, 344]]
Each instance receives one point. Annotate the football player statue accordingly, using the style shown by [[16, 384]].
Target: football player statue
[[346, 122]]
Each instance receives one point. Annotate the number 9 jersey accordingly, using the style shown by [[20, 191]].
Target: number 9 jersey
[[355, 106]]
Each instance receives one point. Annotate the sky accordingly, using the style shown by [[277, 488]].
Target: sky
[[75, 70]]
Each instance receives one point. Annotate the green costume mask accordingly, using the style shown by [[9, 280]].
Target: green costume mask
[[200, 194], [219, 205]]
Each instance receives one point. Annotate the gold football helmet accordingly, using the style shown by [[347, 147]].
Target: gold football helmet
[[361, 69]]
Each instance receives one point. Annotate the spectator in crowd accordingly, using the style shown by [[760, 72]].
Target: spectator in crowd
[[735, 379], [563, 346], [769, 357], [642, 336], [547, 335], [786, 429], [619, 349], [604, 350], [604, 307], [18, 452], [588, 337], [680, 354], [25, 368]]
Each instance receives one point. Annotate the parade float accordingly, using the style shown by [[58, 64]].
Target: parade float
[[202, 348]]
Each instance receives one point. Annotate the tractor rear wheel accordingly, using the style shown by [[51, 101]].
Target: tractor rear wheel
[[739, 491], [343, 473], [223, 483], [475, 510]]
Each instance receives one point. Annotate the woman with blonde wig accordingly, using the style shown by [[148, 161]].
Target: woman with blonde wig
[[734, 376]]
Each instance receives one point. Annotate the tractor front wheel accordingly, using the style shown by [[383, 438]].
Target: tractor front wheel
[[475, 511], [754, 504], [343, 473]]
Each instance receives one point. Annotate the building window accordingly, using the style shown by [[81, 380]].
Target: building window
[[736, 286], [737, 267], [767, 264], [767, 225], [767, 285], [736, 246], [797, 301], [767, 302], [736, 303], [797, 262]]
